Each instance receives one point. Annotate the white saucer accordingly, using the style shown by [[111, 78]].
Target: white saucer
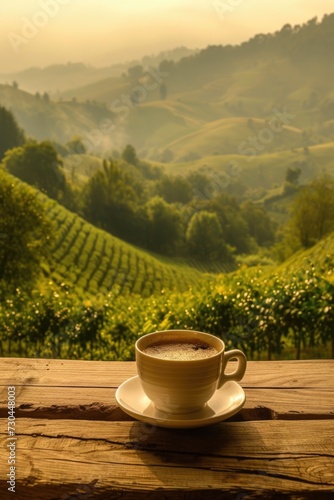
[[224, 403]]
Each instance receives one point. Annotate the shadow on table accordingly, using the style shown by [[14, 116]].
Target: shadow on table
[[200, 461], [180, 446]]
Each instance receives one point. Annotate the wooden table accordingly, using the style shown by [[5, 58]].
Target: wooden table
[[74, 442]]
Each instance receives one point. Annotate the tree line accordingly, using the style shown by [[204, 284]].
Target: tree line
[[146, 207], [141, 204]]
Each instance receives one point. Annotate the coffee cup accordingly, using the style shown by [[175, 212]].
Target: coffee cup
[[180, 370]]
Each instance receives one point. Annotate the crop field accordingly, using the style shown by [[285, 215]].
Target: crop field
[[96, 262]]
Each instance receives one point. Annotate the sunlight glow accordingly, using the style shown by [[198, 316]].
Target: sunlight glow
[[103, 32]]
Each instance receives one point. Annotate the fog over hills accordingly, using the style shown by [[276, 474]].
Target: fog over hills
[[270, 94]]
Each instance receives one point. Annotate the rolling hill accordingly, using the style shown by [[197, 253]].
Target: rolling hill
[[222, 137], [320, 256], [41, 118], [217, 107], [58, 79], [91, 261], [262, 172], [94, 261]]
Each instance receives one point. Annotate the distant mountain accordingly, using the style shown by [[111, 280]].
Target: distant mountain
[[57, 78], [287, 74], [271, 95], [41, 118]]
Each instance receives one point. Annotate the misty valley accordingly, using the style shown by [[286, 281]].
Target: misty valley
[[193, 189]]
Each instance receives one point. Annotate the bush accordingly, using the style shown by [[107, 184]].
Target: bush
[[256, 313]]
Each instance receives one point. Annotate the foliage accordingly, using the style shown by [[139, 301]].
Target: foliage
[[38, 165], [129, 155], [164, 226], [110, 200], [96, 262], [292, 175], [25, 232], [263, 314], [76, 146], [260, 226], [205, 237], [10, 133], [313, 212], [174, 189], [124, 199]]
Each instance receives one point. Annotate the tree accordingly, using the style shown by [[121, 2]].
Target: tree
[[10, 133], [292, 175], [174, 189], [25, 233], [164, 226], [38, 165], [76, 147], [205, 237], [234, 226], [313, 212], [110, 202], [260, 226], [129, 155], [136, 72]]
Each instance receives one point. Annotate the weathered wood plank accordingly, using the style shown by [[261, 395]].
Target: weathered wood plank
[[86, 403], [68, 373], [64, 459]]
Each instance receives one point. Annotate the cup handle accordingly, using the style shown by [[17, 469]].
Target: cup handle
[[238, 373]]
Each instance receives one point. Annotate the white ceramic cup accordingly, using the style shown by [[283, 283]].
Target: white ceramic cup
[[185, 386]]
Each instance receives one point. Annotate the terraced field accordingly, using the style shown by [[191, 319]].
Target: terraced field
[[95, 261], [321, 257]]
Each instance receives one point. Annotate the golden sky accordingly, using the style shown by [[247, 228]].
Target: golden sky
[[103, 32]]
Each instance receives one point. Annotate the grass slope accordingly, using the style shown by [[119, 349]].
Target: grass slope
[[233, 135], [95, 261], [45, 119], [265, 170], [320, 256]]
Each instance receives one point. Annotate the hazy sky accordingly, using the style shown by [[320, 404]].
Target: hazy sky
[[103, 32]]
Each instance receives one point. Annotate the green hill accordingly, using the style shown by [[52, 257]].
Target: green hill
[[216, 105], [99, 294], [321, 257], [95, 261], [265, 171], [42, 118], [222, 137], [211, 95]]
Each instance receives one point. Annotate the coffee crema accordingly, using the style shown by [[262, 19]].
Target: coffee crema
[[180, 351]]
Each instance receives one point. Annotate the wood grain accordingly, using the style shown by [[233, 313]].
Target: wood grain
[[100, 404], [68, 373], [130, 457], [73, 442]]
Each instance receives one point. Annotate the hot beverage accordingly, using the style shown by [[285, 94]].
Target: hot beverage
[[181, 351], [180, 370]]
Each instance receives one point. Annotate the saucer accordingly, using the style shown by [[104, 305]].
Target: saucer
[[226, 401]]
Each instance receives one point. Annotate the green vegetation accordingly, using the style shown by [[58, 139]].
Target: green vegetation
[[143, 206], [99, 294], [93, 261], [270, 94], [11, 136], [44, 119], [24, 231], [281, 312], [194, 194], [38, 165]]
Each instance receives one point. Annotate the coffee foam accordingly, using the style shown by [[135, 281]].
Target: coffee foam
[[180, 351]]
